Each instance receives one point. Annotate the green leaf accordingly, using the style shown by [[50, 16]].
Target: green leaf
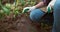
[[7, 11], [16, 11], [1, 14], [22, 2], [8, 5]]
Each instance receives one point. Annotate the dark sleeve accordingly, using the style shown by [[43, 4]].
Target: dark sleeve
[[46, 2]]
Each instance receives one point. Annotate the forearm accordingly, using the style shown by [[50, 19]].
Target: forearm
[[40, 4]]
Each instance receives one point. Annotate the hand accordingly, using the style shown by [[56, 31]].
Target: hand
[[49, 9], [50, 6], [28, 9]]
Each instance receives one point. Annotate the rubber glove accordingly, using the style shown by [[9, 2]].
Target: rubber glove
[[50, 6], [28, 9]]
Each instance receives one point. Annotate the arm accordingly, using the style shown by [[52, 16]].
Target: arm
[[40, 4]]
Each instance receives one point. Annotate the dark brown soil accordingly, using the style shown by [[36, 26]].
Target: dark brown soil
[[22, 24]]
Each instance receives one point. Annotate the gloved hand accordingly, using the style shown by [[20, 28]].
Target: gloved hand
[[28, 9], [50, 6]]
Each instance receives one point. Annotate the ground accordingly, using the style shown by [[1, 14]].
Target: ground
[[22, 23]]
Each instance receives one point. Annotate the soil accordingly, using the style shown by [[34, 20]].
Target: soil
[[22, 23]]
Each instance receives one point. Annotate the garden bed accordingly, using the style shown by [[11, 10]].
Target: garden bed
[[22, 22]]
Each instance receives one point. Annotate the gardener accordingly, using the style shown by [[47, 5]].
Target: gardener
[[36, 13]]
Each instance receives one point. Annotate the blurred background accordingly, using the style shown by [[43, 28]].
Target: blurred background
[[11, 19]]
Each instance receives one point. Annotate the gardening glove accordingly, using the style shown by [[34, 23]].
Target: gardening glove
[[28, 9], [50, 6]]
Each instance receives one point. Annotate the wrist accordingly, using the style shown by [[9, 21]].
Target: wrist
[[34, 7]]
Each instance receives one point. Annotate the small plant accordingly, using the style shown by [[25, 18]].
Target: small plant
[[14, 7]]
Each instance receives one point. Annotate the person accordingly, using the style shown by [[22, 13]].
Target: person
[[36, 13]]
